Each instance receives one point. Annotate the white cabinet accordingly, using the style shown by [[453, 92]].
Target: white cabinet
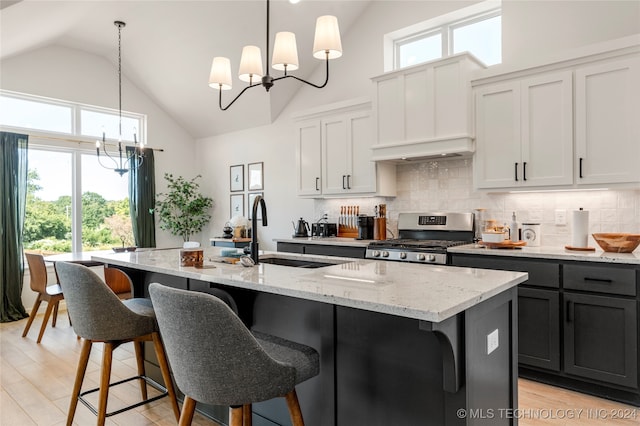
[[425, 110], [524, 132], [608, 122], [346, 144], [309, 158], [334, 153]]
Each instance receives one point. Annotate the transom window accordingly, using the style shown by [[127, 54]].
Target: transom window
[[20, 111], [476, 29]]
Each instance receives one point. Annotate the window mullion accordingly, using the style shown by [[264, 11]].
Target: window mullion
[[76, 203]]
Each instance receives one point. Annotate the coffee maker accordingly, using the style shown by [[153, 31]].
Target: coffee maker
[[365, 227]]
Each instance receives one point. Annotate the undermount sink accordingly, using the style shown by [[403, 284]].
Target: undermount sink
[[296, 263]]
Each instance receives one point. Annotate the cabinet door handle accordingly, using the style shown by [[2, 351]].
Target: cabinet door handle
[[317, 182], [569, 311], [516, 172], [599, 280], [343, 184], [580, 167], [348, 181], [524, 170]]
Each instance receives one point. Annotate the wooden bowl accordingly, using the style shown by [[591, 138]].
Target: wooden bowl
[[617, 242]]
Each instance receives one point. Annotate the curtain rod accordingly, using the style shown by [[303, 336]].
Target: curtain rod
[[113, 145]]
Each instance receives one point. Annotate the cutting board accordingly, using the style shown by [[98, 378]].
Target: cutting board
[[506, 244]]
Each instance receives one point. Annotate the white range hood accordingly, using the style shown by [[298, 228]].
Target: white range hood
[[418, 150]]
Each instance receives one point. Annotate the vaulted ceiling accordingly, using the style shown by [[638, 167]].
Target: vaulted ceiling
[[168, 46]]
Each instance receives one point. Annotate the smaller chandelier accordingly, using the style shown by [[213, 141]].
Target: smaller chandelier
[[125, 159], [327, 45]]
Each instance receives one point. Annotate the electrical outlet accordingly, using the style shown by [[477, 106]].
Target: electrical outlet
[[492, 341], [561, 217]]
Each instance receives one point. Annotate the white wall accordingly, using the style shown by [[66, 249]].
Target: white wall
[[77, 76], [530, 29]]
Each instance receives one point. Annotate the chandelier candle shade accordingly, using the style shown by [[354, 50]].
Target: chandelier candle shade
[[124, 161], [326, 45]]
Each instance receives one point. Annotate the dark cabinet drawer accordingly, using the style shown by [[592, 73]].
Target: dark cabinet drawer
[[291, 247], [323, 249], [600, 279], [542, 274]]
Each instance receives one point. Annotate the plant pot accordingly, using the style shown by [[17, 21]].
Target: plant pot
[[190, 244]]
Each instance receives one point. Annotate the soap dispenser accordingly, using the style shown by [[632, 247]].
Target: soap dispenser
[[514, 233]]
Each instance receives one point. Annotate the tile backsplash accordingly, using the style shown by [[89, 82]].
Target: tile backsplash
[[447, 185]]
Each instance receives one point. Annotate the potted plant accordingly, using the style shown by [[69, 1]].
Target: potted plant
[[183, 210]]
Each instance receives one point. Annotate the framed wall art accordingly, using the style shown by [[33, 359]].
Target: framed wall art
[[237, 205], [250, 198], [236, 178], [256, 176]]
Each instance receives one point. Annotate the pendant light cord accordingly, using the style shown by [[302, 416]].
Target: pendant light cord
[[120, 25]]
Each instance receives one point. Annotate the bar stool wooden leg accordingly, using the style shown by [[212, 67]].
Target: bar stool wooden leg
[[105, 377], [188, 409], [294, 408], [247, 415], [137, 345], [32, 315], [47, 314], [55, 313], [166, 374], [236, 416], [82, 368]]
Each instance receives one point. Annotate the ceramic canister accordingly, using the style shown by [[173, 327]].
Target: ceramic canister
[[531, 234]]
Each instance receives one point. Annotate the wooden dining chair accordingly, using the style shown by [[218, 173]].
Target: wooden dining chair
[[119, 282], [52, 294]]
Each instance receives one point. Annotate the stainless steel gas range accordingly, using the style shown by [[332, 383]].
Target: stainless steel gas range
[[424, 238]]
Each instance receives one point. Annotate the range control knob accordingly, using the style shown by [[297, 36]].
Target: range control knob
[[403, 255], [431, 258], [385, 254], [421, 257], [375, 253]]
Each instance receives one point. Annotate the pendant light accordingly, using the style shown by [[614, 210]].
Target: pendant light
[[327, 45], [123, 161]]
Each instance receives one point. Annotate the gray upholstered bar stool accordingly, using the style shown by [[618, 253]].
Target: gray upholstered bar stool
[[98, 315], [216, 360]]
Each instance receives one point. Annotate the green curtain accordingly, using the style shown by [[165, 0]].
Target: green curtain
[[13, 175], [142, 199]]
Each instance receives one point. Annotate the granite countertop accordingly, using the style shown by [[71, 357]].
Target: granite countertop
[[330, 241], [552, 252], [425, 292]]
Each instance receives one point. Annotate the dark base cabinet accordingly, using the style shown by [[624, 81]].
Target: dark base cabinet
[[323, 249], [539, 328], [578, 323], [601, 338]]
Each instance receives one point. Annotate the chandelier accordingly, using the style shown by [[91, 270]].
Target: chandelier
[[124, 160], [327, 45]]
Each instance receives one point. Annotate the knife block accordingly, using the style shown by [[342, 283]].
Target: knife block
[[380, 228], [347, 231]]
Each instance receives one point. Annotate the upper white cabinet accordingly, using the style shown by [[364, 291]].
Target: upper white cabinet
[[524, 132], [608, 122], [424, 110], [309, 158], [566, 124], [334, 153]]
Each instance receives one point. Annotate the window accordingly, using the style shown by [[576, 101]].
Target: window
[[476, 29], [103, 212], [73, 204]]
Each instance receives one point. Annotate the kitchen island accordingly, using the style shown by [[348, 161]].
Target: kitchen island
[[399, 344]]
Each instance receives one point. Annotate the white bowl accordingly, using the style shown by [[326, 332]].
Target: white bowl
[[493, 237]]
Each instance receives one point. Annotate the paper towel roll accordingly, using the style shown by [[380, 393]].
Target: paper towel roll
[[580, 231]]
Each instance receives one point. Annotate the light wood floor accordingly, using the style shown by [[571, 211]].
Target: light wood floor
[[36, 382]]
